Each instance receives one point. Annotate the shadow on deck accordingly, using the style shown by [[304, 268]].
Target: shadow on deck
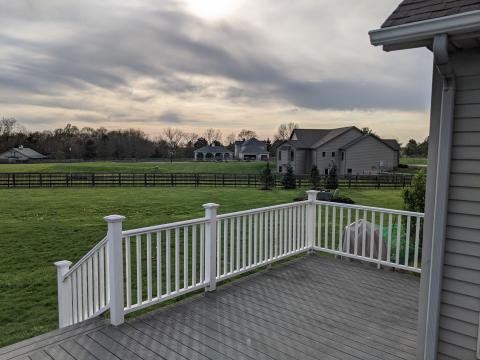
[[312, 308]]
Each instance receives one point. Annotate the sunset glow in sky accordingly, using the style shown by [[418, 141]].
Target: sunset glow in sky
[[195, 64]]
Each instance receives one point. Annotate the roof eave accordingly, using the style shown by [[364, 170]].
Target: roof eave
[[421, 33]]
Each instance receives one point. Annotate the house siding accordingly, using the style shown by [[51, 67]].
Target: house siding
[[334, 146], [283, 154], [460, 298], [300, 165], [363, 156]]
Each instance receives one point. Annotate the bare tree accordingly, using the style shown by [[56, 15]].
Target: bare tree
[[213, 135], [231, 139], [368, 131], [9, 126], [173, 138], [191, 137], [247, 134], [284, 131]]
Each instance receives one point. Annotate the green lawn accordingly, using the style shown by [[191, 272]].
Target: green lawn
[[163, 167], [41, 226], [413, 160]]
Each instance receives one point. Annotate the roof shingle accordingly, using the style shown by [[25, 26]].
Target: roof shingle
[[410, 11]]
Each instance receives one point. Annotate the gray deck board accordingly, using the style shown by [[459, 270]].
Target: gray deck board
[[311, 308]]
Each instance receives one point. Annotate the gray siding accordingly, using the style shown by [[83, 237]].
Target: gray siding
[[301, 158], [460, 301], [334, 146], [364, 156]]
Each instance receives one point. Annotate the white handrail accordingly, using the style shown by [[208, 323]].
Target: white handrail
[[258, 210], [154, 228], [370, 208], [87, 256]]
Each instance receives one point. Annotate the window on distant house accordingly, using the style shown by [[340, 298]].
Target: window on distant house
[[326, 171], [323, 154], [280, 155], [333, 154], [343, 156], [279, 169], [349, 171], [292, 155]]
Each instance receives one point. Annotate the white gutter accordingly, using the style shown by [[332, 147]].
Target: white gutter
[[427, 29]]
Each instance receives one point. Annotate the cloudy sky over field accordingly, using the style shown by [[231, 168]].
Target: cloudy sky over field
[[194, 64]]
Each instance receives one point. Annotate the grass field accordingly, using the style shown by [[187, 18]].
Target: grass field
[[139, 167], [413, 161], [40, 226]]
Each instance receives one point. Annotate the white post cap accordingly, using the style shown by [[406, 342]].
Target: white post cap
[[114, 218], [210, 206], [312, 194], [62, 264]]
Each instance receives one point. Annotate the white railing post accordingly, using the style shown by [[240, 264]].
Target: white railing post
[[211, 246], [115, 268], [312, 196], [64, 294]]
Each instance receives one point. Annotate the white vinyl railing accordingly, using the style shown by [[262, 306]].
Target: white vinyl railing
[[250, 239], [382, 236], [132, 269]]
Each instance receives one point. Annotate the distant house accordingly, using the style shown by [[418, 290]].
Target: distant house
[[21, 154], [251, 149], [212, 153], [348, 149]]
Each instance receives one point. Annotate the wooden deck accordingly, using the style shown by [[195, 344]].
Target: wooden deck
[[312, 308]]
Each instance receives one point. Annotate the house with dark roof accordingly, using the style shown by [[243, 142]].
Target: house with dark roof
[[21, 154], [449, 299], [347, 149], [251, 149], [212, 152]]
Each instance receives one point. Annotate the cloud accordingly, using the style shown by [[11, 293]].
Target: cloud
[[171, 117], [100, 56]]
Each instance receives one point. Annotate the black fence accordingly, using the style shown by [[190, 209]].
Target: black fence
[[51, 180]]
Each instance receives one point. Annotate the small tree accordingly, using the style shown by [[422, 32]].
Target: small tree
[[414, 195], [331, 181], [267, 179], [288, 180], [315, 178]]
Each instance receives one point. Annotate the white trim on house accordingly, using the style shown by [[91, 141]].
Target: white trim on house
[[421, 31]]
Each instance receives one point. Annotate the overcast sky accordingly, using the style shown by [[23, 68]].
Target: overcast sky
[[194, 64]]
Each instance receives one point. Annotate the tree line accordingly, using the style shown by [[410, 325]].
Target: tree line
[[416, 149], [88, 143]]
